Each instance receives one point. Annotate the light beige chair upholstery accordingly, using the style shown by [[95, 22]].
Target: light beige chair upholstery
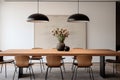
[[23, 62], [83, 61], [53, 62], [2, 61], [38, 57]]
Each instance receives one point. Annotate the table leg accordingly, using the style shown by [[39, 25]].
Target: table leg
[[20, 72], [102, 66]]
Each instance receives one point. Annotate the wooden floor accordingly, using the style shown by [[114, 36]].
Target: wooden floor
[[55, 73]]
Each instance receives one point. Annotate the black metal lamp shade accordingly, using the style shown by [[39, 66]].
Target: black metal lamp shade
[[78, 18], [37, 17]]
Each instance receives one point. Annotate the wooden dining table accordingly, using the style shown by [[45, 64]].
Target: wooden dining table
[[73, 52]]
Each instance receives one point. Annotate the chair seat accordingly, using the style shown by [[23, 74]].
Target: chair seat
[[23, 62], [112, 61], [25, 66], [54, 65], [7, 61], [83, 65]]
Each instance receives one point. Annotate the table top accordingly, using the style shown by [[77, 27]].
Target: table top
[[72, 52]]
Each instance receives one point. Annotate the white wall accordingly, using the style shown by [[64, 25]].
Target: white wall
[[0, 24], [17, 33], [45, 39]]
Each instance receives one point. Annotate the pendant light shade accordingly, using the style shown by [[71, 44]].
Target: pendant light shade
[[78, 17], [37, 17]]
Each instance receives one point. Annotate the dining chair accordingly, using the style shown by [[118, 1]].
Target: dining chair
[[83, 61], [62, 60], [74, 59], [53, 62], [5, 62], [39, 58], [23, 62], [115, 62]]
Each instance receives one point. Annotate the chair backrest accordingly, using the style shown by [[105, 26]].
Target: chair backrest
[[53, 60], [1, 57], [22, 61], [37, 56], [84, 60]]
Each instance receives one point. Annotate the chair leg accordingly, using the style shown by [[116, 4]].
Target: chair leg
[[92, 73], [114, 68], [63, 66], [73, 73], [46, 73], [30, 62], [14, 73], [89, 73], [1, 67], [61, 73], [32, 72], [76, 73], [14, 64], [41, 66], [18, 73], [5, 71], [73, 64]]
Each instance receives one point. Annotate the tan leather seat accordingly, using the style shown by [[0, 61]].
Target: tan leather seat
[[83, 61], [53, 62], [23, 62]]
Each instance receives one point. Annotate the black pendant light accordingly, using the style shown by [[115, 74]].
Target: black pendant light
[[78, 17], [37, 17]]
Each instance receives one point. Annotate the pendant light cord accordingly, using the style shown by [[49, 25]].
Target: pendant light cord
[[78, 6], [38, 6]]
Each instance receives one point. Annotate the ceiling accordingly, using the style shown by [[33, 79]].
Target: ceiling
[[61, 0]]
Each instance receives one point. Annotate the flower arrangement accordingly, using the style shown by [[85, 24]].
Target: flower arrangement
[[60, 33]]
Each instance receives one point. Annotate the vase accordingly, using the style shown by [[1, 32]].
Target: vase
[[1, 58], [60, 46], [66, 48]]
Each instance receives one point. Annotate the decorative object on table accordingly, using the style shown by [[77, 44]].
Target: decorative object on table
[[1, 58], [66, 48], [60, 46], [61, 34]]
